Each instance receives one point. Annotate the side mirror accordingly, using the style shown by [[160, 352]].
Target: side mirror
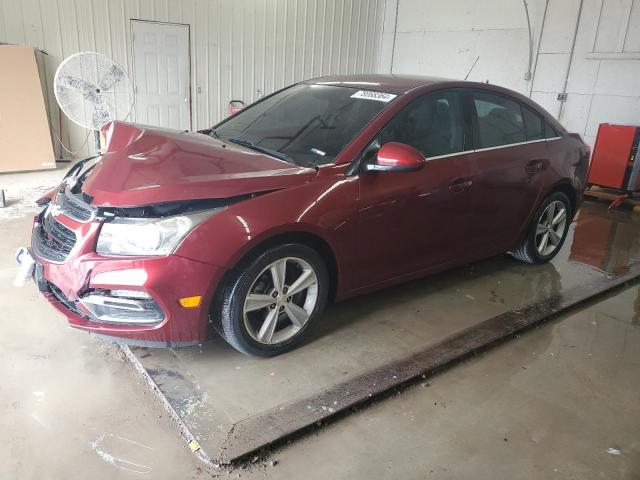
[[396, 157]]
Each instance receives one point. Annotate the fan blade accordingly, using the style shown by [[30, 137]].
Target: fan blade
[[111, 77], [85, 88]]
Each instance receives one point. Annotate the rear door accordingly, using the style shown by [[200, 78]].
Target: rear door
[[415, 221], [510, 161]]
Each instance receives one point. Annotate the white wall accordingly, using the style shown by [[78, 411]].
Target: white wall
[[434, 37], [241, 46], [440, 38], [237, 46], [604, 72]]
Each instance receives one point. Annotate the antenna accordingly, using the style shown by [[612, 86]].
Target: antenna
[[472, 67]]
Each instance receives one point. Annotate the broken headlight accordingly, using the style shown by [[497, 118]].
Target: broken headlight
[[147, 236]]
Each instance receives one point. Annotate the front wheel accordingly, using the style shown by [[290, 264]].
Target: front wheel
[[272, 301], [548, 230]]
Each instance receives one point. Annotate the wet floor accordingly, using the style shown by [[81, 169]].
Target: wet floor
[[214, 389], [560, 402], [561, 396]]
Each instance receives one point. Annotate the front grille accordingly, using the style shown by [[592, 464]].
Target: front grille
[[62, 298], [52, 240], [73, 206]]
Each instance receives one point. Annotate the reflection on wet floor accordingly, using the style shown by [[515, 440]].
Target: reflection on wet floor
[[606, 239]]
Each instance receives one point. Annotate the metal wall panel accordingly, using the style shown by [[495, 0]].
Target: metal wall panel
[[240, 49]]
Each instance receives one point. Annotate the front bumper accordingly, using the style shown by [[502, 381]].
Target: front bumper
[[164, 279]]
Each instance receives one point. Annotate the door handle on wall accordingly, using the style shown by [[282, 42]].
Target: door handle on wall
[[460, 185]]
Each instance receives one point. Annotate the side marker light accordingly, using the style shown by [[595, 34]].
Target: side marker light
[[190, 302]]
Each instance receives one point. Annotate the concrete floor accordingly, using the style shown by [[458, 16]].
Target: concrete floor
[[72, 407], [548, 404], [213, 389], [22, 188]]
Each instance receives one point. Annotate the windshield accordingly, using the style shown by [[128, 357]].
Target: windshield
[[308, 125]]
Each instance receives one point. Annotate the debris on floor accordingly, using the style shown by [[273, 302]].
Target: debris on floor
[[21, 202], [119, 443]]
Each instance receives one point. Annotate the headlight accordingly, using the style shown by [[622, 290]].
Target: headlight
[[147, 236]]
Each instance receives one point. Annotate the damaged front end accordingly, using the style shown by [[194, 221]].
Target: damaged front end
[[111, 270], [105, 247], [145, 230]]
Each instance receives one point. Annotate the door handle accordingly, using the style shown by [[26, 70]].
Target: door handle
[[460, 185], [535, 166]]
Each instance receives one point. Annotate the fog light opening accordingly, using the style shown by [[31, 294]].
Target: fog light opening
[[128, 307]]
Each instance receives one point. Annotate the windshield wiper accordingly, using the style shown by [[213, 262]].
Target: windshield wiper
[[258, 148], [210, 132]]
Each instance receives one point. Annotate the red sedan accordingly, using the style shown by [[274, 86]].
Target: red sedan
[[324, 190]]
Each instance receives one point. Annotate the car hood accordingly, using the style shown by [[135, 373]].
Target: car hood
[[148, 165]]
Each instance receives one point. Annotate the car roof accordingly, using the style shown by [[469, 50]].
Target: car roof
[[383, 82], [401, 84]]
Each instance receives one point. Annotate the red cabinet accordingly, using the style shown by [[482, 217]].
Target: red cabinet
[[614, 163]]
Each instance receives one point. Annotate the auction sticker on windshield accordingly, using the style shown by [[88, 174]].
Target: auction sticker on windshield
[[371, 95]]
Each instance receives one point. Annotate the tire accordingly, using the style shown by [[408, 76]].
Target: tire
[[262, 325], [530, 251]]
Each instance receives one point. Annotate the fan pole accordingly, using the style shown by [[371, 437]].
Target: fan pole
[[96, 137]]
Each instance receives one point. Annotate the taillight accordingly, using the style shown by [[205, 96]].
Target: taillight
[[585, 152]]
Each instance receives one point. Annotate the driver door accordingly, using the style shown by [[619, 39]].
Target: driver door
[[416, 222]]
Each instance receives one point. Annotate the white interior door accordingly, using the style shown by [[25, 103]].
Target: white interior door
[[161, 74]]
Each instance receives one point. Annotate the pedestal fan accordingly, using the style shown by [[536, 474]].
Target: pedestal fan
[[92, 90]]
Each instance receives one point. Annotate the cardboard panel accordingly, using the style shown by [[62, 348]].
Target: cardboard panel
[[25, 141]]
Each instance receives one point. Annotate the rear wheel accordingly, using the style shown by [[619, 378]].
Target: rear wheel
[[272, 301], [548, 230]]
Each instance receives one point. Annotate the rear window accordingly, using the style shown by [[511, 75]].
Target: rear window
[[549, 131], [533, 125], [499, 120]]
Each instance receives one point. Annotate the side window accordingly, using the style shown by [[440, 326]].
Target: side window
[[499, 120], [533, 125], [432, 124], [549, 131]]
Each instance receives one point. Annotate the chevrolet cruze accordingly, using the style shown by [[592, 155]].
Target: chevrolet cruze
[[324, 190]]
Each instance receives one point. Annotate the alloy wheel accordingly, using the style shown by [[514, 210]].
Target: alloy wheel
[[280, 300], [550, 228]]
